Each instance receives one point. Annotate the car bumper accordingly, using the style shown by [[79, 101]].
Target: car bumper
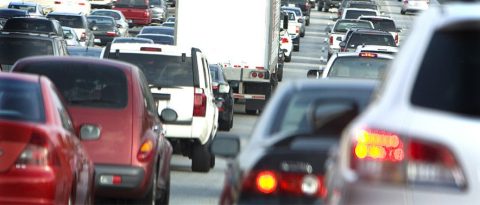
[[135, 181], [280, 200], [414, 7], [140, 21], [295, 40], [32, 186]]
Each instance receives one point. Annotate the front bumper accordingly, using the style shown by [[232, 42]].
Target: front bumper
[[134, 182]]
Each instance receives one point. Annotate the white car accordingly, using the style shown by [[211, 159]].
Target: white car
[[299, 18], [293, 29], [384, 23], [414, 6], [417, 143], [181, 84], [354, 13], [286, 44]]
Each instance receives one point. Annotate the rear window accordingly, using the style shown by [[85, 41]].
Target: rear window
[[20, 100], [30, 9], [82, 51], [141, 4], [357, 39], [114, 15], [448, 79], [161, 70], [29, 25], [214, 72], [69, 21], [383, 24], [159, 39], [12, 49], [343, 26], [86, 85], [359, 67], [297, 12], [354, 14], [363, 6], [166, 31]]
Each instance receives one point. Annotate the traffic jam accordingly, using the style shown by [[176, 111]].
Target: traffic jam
[[239, 102]]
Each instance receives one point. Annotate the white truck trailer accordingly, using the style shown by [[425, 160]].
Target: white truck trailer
[[241, 35]]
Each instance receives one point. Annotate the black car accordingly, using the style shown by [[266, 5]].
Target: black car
[[6, 14], [284, 162], [159, 38], [16, 45], [34, 25], [104, 29], [221, 89]]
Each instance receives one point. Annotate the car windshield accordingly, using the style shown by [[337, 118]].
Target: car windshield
[[359, 67], [141, 4], [293, 118], [357, 39], [159, 39], [29, 24], [161, 70], [12, 49], [86, 85], [297, 11], [383, 24], [343, 26], [354, 14], [21, 100], [112, 14], [69, 21], [158, 30], [30, 9], [363, 6]]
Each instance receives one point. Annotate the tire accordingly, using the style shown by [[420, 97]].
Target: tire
[[302, 34], [165, 194], [224, 125], [212, 161], [307, 23], [201, 158], [320, 7], [280, 75], [288, 58], [403, 12], [250, 112]]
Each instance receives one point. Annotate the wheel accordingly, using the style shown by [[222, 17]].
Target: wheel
[[224, 125], [250, 112], [231, 121], [201, 158], [288, 58], [165, 193], [307, 23], [212, 161], [402, 12], [326, 7], [296, 48], [280, 75], [302, 34]]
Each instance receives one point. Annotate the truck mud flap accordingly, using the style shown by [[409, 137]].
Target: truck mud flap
[[257, 88]]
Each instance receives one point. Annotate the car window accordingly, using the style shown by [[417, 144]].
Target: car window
[[30, 9], [62, 111], [359, 67], [147, 95], [354, 14], [357, 39], [21, 101], [12, 49], [167, 31], [87, 52], [383, 24], [27, 24], [68, 21], [343, 26], [161, 70], [86, 85], [448, 76], [158, 39], [214, 73], [293, 118], [114, 15], [101, 22]]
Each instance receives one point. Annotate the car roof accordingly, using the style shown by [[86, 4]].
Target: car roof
[[116, 11], [20, 76], [11, 11], [350, 54], [126, 67], [358, 9], [155, 34], [158, 27], [23, 3], [99, 16], [291, 8], [334, 83]]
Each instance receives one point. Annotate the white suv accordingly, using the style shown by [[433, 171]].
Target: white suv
[[181, 84], [418, 143]]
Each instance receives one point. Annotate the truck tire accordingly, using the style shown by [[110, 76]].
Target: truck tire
[[280, 75], [296, 48], [201, 158], [403, 12]]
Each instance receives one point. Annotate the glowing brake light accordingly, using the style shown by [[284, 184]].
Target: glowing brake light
[[284, 40], [266, 182], [368, 55], [111, 33], [150, 49], [378, 145]]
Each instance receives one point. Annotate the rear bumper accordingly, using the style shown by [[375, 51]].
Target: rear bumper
[[141, 21], [135, 181], [28, 186]]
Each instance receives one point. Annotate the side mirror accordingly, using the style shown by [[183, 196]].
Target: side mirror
[[399, 30], [97, 40], [152, 6], [224, 88], [382, 13], [342, 44], [300, 21], [225, 145], [315, 73], [339, 38], [94, 28], [68, 36], [332, 115]]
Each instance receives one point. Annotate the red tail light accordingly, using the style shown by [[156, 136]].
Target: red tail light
[[254, 74], [83, 37], [81, 4], [38, 152], [145, 151], [297, 29], [331, 40], [57, 2], [268, 182], [396, 38], [384, 156], [284, 40], [111, 34], [199, 103]]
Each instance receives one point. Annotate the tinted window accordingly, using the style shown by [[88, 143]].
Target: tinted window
[[114, 15], [357, 67], [86, 85], [161, 70], [343, 26], [12, 13], [363, 6], [26, 24], [297, 12], [69, 21], [87, 52], [354, 14], [383, 24], [101, 22], [165, 30], [142, 4], [159, 39], [12, 49], [214, 72], [62, 111], [368, 39], [21, 100], [293, 119], [30, 9], [448, 78]]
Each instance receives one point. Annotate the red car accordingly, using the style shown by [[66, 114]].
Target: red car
[[41, 159], [137, 12], [117, 120]]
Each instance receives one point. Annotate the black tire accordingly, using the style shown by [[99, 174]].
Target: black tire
[[250, 112], [296, 48], [212, 161], [165, 194], [307, 23], [320, 7], [201, 158], [288, 58], [403, 12], [302, 34], [280, 75], [224, 125], [326, 8]]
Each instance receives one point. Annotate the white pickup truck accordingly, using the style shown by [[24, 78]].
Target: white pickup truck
[[337, 33]]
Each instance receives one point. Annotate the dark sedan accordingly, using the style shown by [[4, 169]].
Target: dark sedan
[[104, 29], [221, 89], [284, 160]]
